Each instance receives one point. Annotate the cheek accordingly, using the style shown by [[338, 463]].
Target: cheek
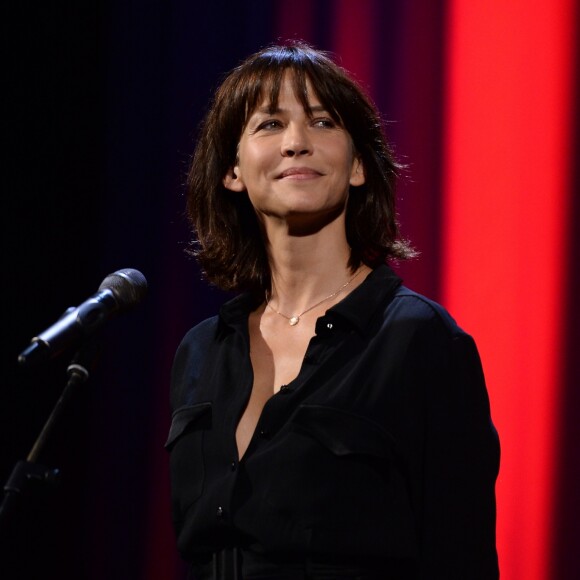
[[343, 152], [250, 158]]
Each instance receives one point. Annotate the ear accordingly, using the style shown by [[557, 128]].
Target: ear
[[233, 180], [357, 174]]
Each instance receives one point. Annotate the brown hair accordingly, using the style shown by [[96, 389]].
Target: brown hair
[[228, 241]]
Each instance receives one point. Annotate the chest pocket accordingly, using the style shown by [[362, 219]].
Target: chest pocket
[[185, 444], [344, 433], [363, 481]]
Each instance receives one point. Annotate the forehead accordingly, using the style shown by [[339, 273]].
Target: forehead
[[288, 99], [287, 85]]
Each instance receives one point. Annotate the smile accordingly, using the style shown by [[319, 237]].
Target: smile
[[299, 173]]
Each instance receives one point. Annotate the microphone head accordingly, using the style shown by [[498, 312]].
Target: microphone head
[[128, 286]]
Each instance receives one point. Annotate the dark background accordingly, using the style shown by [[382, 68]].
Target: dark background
[[103, 101]]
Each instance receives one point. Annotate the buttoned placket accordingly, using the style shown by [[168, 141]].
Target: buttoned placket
[[229, 451], [267, 425], [277, 405]]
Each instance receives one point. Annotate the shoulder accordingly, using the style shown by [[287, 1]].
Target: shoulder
[[189, 359], [204, 344], [416, 309], [437, 348], [383, 308], [198, 337], [423, 331], [196, 342]]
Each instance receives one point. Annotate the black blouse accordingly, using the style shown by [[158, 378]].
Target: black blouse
[[380, 455]]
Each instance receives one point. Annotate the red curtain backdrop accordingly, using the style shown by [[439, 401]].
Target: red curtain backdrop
[[508, 186]]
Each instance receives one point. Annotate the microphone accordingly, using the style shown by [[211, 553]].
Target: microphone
[[118, 292]]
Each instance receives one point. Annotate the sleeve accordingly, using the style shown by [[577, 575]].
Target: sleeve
[[461, 463]]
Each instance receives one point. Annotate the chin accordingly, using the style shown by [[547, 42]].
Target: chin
[[311, 220]]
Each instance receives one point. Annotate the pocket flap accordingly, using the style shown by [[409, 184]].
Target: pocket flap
[[191, 417], [342, 432]]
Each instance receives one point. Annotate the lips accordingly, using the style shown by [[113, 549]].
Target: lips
[[299, 173]]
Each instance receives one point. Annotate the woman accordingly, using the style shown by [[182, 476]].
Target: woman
[[329, 423]]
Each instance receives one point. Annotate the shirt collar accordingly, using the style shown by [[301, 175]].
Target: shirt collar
[[237, 309], [360, 305], [357, 308]]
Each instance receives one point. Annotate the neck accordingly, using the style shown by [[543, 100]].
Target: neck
[[307, 268]]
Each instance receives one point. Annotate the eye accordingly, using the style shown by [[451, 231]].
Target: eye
[[324, 123], [269, 125]]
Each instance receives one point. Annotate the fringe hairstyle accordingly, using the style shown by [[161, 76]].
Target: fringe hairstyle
[[228, 241]]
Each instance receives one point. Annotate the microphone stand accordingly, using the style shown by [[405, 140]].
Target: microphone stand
[[27, 473]]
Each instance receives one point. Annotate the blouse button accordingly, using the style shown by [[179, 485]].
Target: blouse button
[[264, 433], [219, 512], [234, 465]]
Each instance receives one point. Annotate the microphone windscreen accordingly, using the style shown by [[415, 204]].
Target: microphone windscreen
[[128, 286]]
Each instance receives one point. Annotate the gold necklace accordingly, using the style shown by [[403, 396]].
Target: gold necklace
[[294, 320]]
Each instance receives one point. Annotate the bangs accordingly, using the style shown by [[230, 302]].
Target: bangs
[[262, 82]]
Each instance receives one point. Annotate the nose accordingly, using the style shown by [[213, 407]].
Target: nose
[[296, 141]]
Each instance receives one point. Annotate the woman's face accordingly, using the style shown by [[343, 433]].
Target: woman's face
[[293, 166]]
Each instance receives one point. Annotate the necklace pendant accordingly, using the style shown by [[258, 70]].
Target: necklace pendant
[[294, 320]]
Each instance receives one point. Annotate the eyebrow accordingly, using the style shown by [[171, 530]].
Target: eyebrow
[[269, 111]]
